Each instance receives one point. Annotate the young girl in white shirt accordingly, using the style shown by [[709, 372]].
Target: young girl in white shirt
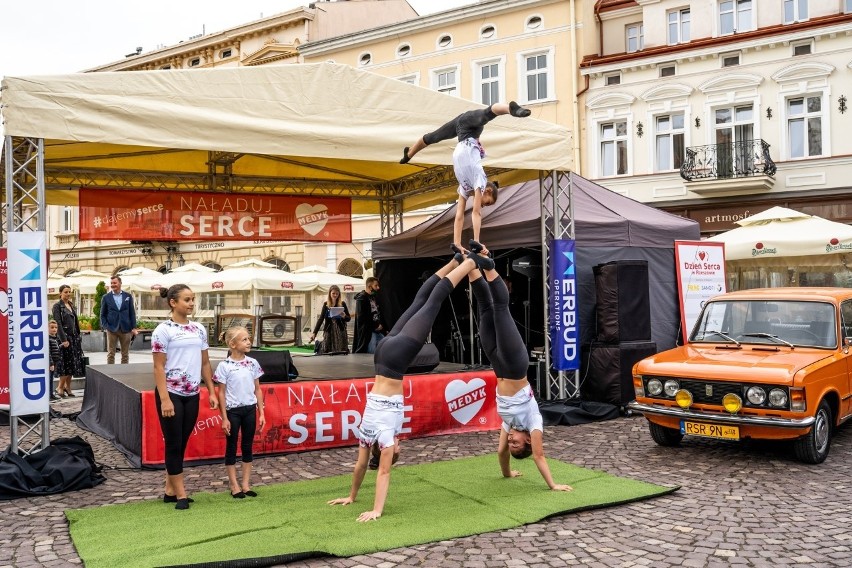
[[241, 405], [181, 363]]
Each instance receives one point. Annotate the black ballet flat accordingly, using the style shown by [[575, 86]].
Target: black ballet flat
[[239, 495], [174, 499], [482, 262], [475, 246], [405, 157], [250, 493], [182, 504]]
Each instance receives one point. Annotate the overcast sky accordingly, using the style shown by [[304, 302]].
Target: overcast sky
[[39, 37]]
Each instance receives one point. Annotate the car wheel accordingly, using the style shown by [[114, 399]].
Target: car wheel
[[813, 447], [665, 436]]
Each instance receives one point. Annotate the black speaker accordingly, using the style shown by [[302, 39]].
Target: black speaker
[[278, 366], [623, 306], [529, 266], [607, 373]]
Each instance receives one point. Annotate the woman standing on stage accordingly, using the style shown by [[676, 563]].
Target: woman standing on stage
[[181, 363], [70, 341], [333, 318]]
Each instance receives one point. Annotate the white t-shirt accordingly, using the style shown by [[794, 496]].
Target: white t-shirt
[[182, 344], [520, 411], [238, 377], [382, 420]]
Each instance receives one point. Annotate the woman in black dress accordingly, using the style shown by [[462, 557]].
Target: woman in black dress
[[334, 338], [70, 342]]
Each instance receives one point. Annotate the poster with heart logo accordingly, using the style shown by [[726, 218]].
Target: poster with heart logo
[[700, 276], [117, 214]]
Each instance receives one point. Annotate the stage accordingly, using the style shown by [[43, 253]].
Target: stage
[[320, 409]]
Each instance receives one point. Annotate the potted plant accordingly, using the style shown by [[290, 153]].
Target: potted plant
[[94, 339]]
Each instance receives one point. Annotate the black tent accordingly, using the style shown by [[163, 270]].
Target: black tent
[[607, 227]]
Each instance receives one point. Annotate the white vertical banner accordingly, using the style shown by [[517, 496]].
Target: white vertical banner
[[29, 359], [700, 276]]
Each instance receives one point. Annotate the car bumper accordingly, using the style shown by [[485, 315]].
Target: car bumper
[[770, 421]]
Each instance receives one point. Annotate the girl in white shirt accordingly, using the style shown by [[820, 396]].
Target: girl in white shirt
[[181, 363], [241, 405]]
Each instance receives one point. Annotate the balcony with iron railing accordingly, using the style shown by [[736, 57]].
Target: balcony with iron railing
[[729, 168]]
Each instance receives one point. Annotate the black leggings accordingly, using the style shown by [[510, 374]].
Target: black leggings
[[177, 429], [498, 334], [466, 125], [242, 418], [397, 350]]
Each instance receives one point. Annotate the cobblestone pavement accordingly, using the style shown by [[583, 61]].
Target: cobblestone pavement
[[740, 504]]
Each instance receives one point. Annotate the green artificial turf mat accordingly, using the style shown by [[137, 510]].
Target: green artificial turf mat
[[426, 503]]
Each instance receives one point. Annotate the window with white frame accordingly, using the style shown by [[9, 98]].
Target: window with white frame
[[804, 47], [533, 23], [488, 77], [735, 16], [668, 70], [612, 78], [795, 11], [410, 79], [847, 6], [678, 26], [669, 141], [446, 81], [613, 148], [804, 126], [445, 41], [365, 59], [536, 71], [730, 59], [487, 31], [635, 38], [403, 50], [67, 222]]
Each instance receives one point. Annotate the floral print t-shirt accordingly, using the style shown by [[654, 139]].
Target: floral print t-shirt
[[182, 343], [238, 377]]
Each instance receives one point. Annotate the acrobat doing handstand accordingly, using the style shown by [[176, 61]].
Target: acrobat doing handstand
[[522, 433], [381, 422], [467, 160]]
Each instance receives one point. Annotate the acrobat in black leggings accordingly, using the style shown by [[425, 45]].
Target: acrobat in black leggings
[[468, 124], [397, 349], [497, 331]]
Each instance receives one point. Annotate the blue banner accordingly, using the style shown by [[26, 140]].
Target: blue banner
[[564, 316]]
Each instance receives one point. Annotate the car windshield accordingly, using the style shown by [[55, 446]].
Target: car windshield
[[775, 322]]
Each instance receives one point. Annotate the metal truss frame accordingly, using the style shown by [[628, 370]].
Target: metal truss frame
[[557, 222], [25, 211]]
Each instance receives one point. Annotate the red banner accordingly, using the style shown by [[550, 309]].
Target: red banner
[[304, 416], [4, 327], [109, 214]]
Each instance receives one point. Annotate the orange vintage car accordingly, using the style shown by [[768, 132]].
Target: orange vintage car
[[770, 364]]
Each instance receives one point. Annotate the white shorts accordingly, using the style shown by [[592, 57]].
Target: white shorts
[[382, 421], [467, 164]]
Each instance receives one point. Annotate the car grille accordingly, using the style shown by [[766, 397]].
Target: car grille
[[698, 389]]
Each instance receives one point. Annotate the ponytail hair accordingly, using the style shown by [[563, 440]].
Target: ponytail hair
[[229, 334]]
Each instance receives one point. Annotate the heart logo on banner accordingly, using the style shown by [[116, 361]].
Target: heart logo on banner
[[464, 399], [312, 218], [702, 255]]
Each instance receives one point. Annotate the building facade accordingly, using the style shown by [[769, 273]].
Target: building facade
[[719, 109]]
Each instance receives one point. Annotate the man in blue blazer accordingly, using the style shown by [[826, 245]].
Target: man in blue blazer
[[118, 319]]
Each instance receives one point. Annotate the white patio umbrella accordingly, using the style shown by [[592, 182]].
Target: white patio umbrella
[[84, 281], [191, 274], [785, 237], [325, 278]]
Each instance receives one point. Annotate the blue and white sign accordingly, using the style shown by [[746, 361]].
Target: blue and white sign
[[565, 319], [29, 361]]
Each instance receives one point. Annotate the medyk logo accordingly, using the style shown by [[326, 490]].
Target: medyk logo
[[465, 399]]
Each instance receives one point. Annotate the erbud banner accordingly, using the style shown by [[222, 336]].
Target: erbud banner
[[565, 320], [29, 361], [700, 276], [4, 326], [307, 415], [109, 214]]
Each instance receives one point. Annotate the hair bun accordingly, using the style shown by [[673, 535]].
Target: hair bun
[[164, 292]]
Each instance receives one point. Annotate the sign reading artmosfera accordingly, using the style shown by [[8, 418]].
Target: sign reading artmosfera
[[172, 215]]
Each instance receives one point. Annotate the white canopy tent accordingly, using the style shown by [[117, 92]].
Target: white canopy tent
[[780, 247], [84, 281]]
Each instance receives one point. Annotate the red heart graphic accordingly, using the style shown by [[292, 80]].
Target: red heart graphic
[[702, 255]]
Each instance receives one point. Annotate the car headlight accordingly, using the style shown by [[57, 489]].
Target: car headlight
[[778, 398], [732, 403], [671, 387], [756, 395], [655, 387]]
